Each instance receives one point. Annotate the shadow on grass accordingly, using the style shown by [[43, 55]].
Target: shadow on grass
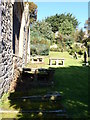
[[71, 82]]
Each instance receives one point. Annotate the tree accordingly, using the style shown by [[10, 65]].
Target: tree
[[81, 36], [58, 19], [66, 28], [41, 36], [64, 37], [33, 11], [42, 28], [78, 35]]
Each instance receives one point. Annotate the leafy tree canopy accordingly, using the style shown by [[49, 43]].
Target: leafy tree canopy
[[78, 35], [66, 28], [41, 36], [42, 29], [58, 19]]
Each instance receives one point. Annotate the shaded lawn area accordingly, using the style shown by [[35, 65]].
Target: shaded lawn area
[[71, 81]]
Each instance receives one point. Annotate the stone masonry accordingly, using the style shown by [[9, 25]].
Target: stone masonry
[[6, 58], [10, 61]]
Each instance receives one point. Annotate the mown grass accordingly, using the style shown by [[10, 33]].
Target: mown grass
[[71, 80], [69, 60]]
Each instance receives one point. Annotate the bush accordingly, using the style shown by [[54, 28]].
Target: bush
[[78, 48], [33, 50], [39, 49]]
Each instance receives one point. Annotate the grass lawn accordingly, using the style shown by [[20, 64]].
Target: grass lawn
[[71, 80]]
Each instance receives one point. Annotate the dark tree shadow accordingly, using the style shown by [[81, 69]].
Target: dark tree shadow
[[71, 82]]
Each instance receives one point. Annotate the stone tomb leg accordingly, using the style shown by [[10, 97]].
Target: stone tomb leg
[[62, 62], [32, 60], [57, 62], [38, 59], [50, 61]]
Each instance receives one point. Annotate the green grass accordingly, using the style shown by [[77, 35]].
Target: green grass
[[69, 60], [73, 83], [71, 80]]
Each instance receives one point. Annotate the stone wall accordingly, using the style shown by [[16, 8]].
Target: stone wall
[[6, 58], [17, 70], [11, 64]]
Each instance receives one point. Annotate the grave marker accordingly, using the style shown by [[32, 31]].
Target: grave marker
[[88, 50], [85, 57]]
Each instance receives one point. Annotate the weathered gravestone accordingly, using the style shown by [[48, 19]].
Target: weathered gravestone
[[85, 57], [88, 50]]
